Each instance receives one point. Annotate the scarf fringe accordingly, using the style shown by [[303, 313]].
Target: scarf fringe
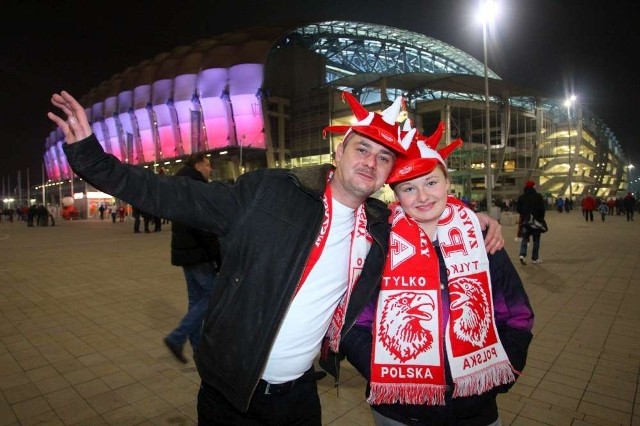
[[416, 394], [484, 380]]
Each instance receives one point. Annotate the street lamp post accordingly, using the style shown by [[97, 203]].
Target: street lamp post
[[568, 103], [486, 13]]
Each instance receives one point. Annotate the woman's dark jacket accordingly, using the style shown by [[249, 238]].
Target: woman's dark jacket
[[267, 223], [191, 246], [514, 321]]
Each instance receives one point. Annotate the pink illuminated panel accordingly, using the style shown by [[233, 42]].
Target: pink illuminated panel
[[244, 82], [161, 92], [51, 164], [184, 87]]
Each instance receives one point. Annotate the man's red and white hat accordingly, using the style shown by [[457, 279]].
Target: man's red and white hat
[[382, 128], [421, 157]]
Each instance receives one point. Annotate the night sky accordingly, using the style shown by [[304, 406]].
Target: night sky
[[553, 46]]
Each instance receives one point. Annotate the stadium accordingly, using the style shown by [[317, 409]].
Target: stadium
[[262, 96]]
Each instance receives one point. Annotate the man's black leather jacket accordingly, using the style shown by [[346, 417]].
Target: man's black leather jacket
[[267, 222]]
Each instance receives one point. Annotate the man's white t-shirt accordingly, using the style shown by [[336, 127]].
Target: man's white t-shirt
[[305, 324]]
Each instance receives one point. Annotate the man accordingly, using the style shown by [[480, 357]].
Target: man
[[530, 204], [295, 243], [198, 252]]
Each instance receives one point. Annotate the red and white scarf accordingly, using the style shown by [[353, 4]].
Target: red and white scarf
[[412, 326]]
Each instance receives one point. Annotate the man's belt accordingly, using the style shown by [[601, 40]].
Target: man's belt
[[267, 388]]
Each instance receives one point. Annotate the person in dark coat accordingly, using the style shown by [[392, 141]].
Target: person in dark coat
[[629, 203], [530, 204], [198, 253]]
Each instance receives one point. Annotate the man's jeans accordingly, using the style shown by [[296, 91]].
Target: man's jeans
[[525, 240], [200, 280]]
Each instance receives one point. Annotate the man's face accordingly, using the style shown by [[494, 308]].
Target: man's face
[[362, 166], [204, 167]]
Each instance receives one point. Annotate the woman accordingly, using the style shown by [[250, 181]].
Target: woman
[[451, 325]]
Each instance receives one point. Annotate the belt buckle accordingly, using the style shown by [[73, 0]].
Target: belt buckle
[[267, 389], [279, 388]]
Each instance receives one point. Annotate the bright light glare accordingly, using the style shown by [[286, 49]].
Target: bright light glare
[[488, 10], [570, 100]]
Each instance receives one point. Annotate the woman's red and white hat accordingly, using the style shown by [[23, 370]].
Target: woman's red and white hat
[[421, 157], [382, 128]]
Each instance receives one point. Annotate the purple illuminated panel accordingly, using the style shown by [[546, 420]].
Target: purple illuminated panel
[[114, 142], [211, 87], [65, 170], [125, 103], [165, 131], [97, 130], [245, 81], [141, 98], [110, 105]]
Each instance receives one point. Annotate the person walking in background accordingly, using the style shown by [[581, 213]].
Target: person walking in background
[[295, 242], [198, 253], [588, 206], [157, 224], [629, 204], [603, 208], [611, 203], [146, 220], [101, 209], [32, 214], [559, 204], [530, 206], [137, 215], [457, 314], [567, 204], [121, 213], [113, 211]]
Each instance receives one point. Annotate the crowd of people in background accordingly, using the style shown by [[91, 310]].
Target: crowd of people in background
[[34, 215], [620, 206], [616, 206]]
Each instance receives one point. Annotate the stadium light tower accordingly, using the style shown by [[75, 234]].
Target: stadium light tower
[[486, 13]]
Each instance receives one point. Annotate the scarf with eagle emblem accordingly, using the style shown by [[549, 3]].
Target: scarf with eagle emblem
[[413, 329]]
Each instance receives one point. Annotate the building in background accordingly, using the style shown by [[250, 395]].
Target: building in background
[[261, 97]]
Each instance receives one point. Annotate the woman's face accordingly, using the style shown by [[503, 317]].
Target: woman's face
[[424, 198]]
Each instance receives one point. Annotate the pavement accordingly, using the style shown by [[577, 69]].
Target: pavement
[[85, 304]]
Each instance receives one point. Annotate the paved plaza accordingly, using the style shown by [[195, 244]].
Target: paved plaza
[[84, 306]]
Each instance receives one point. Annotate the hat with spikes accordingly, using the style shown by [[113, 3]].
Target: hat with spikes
[[421, 157], [379, 127]]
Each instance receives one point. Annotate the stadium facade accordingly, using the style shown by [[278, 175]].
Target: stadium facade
[[261, 98]]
